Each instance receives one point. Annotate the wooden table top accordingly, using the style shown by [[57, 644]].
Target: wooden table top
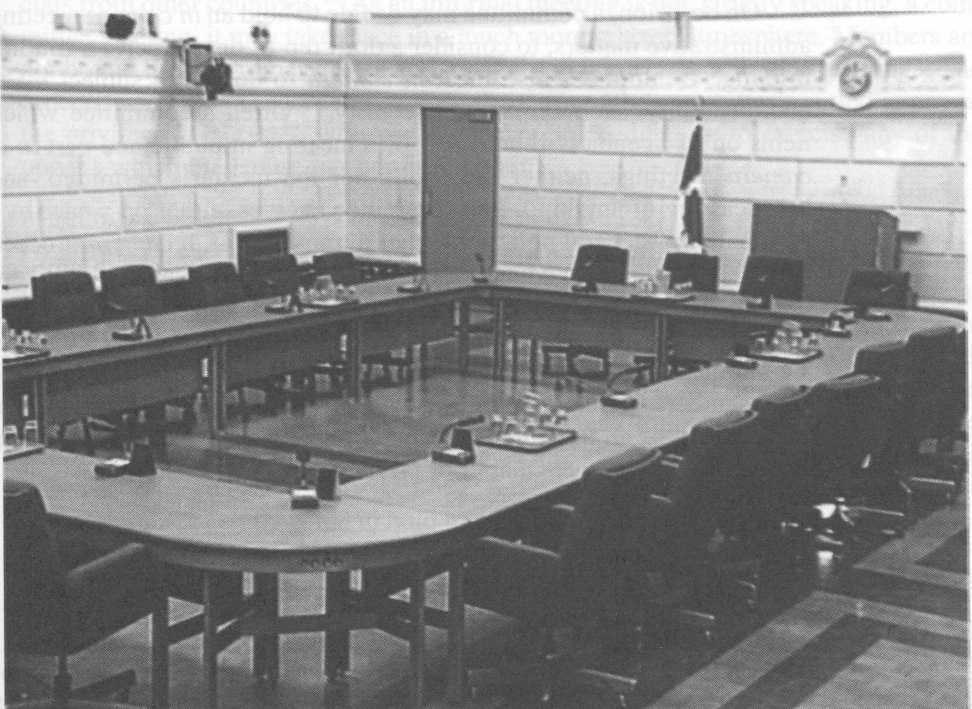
[[420, 508]]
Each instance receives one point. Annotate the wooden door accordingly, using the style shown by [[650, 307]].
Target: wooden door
[[458, 189]]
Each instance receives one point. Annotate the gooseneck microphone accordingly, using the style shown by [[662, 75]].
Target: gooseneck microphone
[[480, 277], [622, 399], [461, 423], [460, 449]]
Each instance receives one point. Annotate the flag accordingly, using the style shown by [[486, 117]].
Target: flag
[[689, 227]]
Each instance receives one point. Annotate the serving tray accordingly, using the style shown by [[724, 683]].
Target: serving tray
[[789, 357], [526, 443]]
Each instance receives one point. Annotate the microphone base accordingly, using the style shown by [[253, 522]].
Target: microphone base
[[133, 335], [873, 315], [619, 401], [304, 498], [453, 456], [410, 289], [584, 287], [480, 280]]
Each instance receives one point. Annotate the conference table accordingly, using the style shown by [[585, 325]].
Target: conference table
[[417, 518]]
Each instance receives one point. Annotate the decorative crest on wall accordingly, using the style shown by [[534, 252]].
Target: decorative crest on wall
[[855, 71]]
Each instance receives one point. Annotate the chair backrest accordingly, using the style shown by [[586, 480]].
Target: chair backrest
[[848, 419], [133, 288], [213, 284], [782, 276], [35, 591], [873, 287], [889, 361], [340, 266], [718, 484], [64, 299], [930, 355], [701, 270], [600, 263], [786, 444], [276, 274], [600, 553]]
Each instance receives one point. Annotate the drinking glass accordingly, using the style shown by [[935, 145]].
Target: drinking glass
[[11, 437], [31, 432]]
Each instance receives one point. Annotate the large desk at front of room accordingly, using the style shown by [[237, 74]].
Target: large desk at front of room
[[414, 514]]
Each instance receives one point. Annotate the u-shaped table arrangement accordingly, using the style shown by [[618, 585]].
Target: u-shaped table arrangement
[[416, 518]]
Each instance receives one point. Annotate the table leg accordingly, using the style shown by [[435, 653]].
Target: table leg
[[217, 390], [463, 337], [266, 648], [534, 351], [39, 392], [417, 641], [456, 687], [210, 641], [499, 341], [661, 348], [160, 653], [337, 643], [354, 359], [423, 360]]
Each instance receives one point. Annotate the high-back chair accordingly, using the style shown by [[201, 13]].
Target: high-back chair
[[598, 579], [341, 266], [131, 290], [277, 274], [848, 419], [780, 276], [700, 271], [933, 370], [872, 287], [64, 299], [212, 284], [56, 611], [594, 263]]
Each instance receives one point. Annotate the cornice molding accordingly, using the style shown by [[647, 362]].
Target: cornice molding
[[51, 64]]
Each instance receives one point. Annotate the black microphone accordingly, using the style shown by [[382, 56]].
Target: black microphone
[[622, 400], [863, 310], [460, 450], [138, 326], [461, 423]]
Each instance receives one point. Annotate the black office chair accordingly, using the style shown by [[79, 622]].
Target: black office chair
[[782, 277], [131, 290], [699, 272], [343, 269], [936, 371], [265, 276], [870, 287], [880, 480], [594, 263], [68, 299], [53, 610], [213, 284], [848, 419], [611, 567], [63, 299], [723, 491]]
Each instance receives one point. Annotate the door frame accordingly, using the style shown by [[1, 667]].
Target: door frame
[[494, 217]]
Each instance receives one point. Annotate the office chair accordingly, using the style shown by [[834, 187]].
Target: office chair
[[880, 478], [130, 291], [780, 276], [594, 263], [701, 273], [343, 269], [723, 493], [869, 287], [783, 414], [265, 276], [54, 610], [611, 565], [67, 299], [212, 284], [848, 419], [936, 371]]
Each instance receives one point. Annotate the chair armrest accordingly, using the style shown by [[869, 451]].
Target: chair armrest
[[547, 524], [663, 472], [518, 580], [127, 562]]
